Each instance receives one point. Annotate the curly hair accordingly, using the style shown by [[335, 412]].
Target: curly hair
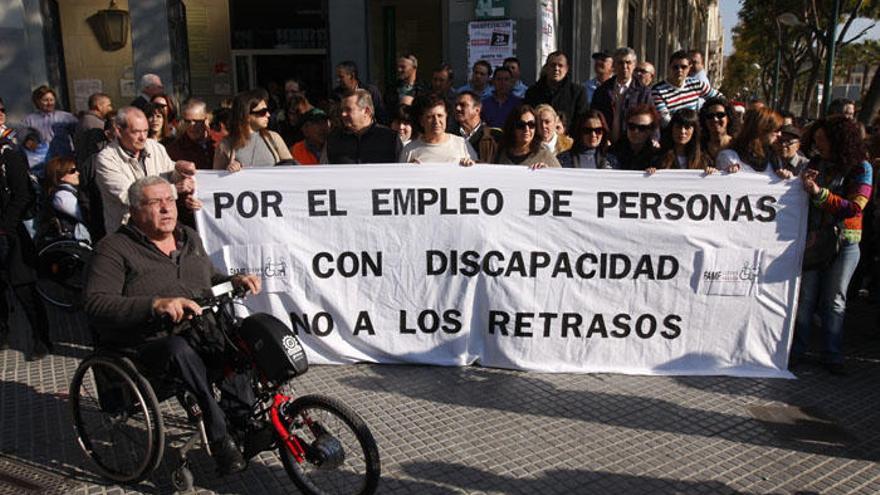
[[848, 149], [732, 123]]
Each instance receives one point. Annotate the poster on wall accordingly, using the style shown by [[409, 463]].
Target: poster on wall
[[492, 41], [490, 9], [548, 29]]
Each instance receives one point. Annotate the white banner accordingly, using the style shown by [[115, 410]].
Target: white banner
[[552, 270]]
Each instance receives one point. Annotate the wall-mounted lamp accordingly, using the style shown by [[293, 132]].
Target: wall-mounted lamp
[[110, 27]]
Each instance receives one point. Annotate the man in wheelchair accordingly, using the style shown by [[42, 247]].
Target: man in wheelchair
[[138, 298]]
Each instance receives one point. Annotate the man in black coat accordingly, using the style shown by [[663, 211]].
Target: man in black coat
[[621, 92], [556, 89], [361, 140], [17, 253]]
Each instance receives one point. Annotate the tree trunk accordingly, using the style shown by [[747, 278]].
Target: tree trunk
[[871, 101]]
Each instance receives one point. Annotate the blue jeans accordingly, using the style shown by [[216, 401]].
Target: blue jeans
[[825, 288]]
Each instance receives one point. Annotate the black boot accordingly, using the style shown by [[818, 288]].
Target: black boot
[[40, 351], [227, 456]]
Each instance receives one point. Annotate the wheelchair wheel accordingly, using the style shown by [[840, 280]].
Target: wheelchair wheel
[[61, 269], [341, 454], [116, 418]]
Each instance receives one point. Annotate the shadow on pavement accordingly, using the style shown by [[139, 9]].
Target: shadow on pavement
[[565, 480], [525, 393]]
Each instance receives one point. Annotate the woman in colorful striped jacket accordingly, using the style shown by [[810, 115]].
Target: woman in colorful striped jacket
[[839, 187]]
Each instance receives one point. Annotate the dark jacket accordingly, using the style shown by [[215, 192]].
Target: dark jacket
[[16, 198], [603, 100], [627, 159], [90, 201], [568, 98], [127, 272], [379, 111], [378, 144]]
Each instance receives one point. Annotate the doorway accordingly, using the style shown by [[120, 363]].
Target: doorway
[[401, 26]]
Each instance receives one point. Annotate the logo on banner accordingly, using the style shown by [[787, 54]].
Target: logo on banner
[[269, 269], [748, 273]]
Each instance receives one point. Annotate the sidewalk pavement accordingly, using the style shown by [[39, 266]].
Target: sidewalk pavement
[[485, 431]]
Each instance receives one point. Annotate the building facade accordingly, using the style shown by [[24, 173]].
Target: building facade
[[213, 48]]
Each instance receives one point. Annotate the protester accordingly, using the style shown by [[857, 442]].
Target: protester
[[166, 105], [679, 90], [620, 92], [407, 81], [360, 139], [698, 70], [479, 81], [788, 117], [193, 142], [552, 137], [842, 106], [556, 89], [497, 107], [56, 127], [751, 149], [839, 187], [603, 68], [6, 132], [89, 136], [441, 83], [219, 125], [64, 217], [156, 121], [591, 143], [315, 127], [645, 73], [637, 149], [151, 85], [17, 254], [403, 124], [519, 87], [680, 146], [138, 300], [717, 126], [349, 80], [520, 143], [250, 143], [787, 159], [128, 158], [434, 144]]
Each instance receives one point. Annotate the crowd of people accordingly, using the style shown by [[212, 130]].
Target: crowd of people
[[78, 169]]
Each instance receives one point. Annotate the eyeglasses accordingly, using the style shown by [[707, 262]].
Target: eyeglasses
[[71, 171], [681, 67], [260, 113], [789, 142], [160, 105], [643, 71], [716, 116], [639, 127], [522, 124], [194, 122], [592, 130], [2, 110]]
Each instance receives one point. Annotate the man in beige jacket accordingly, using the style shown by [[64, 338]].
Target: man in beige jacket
[[132, 156]]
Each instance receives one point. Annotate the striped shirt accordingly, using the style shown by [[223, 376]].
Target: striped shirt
[[847, 202], [669, 99]]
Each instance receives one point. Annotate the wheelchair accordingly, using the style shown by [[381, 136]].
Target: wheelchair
[[325, 446], [61, 270]]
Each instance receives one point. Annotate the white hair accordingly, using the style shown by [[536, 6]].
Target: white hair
[[136, 190], [148, 80], [120, 120]]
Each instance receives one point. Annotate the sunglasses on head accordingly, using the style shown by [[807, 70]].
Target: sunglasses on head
[[592, 130], [639, 127], [522, 124], [716, 116], [260, 113]]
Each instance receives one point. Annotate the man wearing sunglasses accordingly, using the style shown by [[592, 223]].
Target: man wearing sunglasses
[[679, 90], [621, 92]]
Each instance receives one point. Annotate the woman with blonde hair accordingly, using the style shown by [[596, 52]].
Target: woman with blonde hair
[[751, 149], [548, 122]]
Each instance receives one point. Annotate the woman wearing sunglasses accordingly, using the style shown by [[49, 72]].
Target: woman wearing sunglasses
[[637, 148], [65, 217], [590, 148], [680, 147], [751, 150], [250, 143], [520, 144], [717, 126]]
